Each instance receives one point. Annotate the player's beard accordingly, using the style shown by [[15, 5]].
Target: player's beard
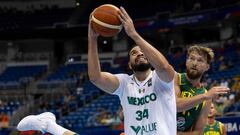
[[193, 75], [141, 67]]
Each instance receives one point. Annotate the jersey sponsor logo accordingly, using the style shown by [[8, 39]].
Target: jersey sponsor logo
[[186, 94], [143, 100], [180, 123], [141, 130]]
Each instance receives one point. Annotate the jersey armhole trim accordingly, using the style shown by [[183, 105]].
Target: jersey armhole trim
[[180, 78], [221, 127]]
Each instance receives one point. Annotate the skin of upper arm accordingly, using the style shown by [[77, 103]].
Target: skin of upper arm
[[167, 74], [177, 91], [224, 130], [202, 119], [176, 86], [107, 82]]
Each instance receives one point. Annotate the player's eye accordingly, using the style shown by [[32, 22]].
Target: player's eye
[[134, 53]]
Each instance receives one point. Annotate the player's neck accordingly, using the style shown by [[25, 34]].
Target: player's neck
[[211, 120], [141, 76], [195, 82]]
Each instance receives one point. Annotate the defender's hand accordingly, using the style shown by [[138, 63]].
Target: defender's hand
[[215, 91]]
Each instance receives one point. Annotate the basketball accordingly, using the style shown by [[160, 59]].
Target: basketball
[[105, 20]]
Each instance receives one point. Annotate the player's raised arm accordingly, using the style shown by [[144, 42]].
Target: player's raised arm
[[156, 59], [105, 81]]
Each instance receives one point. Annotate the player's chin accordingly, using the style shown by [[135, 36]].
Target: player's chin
[[210, 116]]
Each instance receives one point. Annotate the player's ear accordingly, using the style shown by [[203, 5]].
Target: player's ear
[[129, 65], [207, 66]]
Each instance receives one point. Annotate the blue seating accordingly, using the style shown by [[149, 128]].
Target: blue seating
[[10, 107], [78, 119], [68, 74], [13, 77]]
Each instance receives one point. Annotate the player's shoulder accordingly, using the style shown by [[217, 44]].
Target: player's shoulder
[[180, 78], [124, 76], [220, 123], [177, 77]]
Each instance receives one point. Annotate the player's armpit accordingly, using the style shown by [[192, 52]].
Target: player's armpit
[[107, 82]]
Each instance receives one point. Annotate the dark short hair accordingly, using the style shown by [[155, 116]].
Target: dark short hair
[[134, 45]]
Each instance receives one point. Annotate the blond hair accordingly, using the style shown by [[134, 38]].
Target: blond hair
[[206, 52]]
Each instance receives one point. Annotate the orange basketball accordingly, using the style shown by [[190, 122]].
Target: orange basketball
[[105, 20]]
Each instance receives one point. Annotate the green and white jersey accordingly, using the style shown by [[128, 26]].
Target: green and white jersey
[[149, 106]]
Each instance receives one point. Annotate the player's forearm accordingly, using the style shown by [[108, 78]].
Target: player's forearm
[[157, 60], [94, 69], [184, 104]]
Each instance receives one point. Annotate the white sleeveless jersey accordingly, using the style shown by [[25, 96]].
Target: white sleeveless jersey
[[149, 107]]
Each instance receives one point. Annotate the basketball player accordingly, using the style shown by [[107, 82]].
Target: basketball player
[[213, 126], [193, 100], [147, 97]]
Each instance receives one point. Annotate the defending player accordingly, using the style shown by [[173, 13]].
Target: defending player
[[193, 100]]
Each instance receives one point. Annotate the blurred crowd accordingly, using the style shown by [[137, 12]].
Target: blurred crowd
[[103, 117], [4, 117]]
